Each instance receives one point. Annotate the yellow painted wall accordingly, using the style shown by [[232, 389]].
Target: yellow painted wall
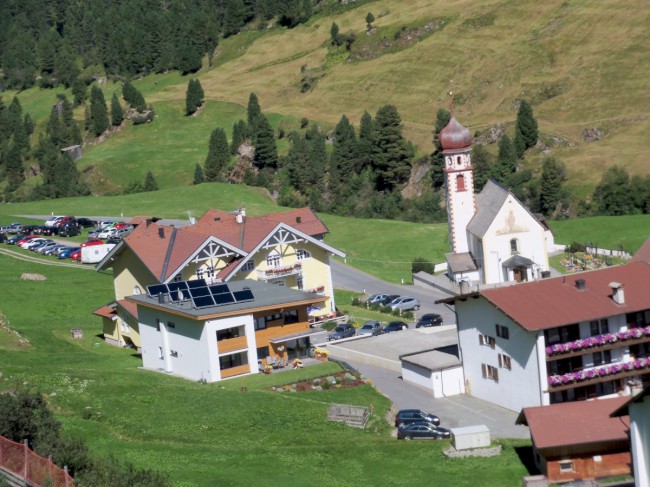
[[128, 272]]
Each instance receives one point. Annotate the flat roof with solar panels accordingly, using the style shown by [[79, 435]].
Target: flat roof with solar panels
[[198, 298]]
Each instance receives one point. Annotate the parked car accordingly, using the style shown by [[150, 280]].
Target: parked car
[[387, 299], [394, 326], [113, 240], [370, 328], [342, 331], [29, 229], [64, 254], [375, 298], [86, 222], [63, 220], [54, 249], [430, 319], [52, 220], [422, 431], [409, 416], [41, 249], [32, 242], [14, 240], [76, 255], [3, 238], [69, 229], [122, 225], [25, 238], [36, 246], [121, 232], [405, 303], [15, 228]]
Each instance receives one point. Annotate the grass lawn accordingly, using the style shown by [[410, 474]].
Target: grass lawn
[[205, 434]]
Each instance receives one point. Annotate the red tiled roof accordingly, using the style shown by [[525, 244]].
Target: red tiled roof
[[151, 244], [106, 311], [137, 220], [129, 306], [643, 254], [576, 423], [554, 302]]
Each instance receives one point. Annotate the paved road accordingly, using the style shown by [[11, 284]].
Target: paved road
[[351, 279]]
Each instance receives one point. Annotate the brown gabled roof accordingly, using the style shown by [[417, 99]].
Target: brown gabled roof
[[575, 423], [128, 306], [151, 243], [643, 254], [137, 220], [554, 302], [106, 311]]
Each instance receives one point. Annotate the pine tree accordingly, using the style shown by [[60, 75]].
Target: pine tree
[[612, 195], [117, 114], [79, 91], [317, 158], [482, 162], [253, 112], [239, 134], [133, 97], [28, 123], [344, 152], [298, 162], [193, 96], [550, 191], [15, 171], [218, 156], [506, 163], [98, 112], [65, 67], [391, 154], [234, 17], [369, 20], [334, 34], [364, 146], [519, 143], [527, 124], [149, 183], [266, 153], [198, 175], [437, 158]]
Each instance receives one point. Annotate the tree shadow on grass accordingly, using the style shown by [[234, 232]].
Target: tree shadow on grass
[[137, 355], [527, 458]]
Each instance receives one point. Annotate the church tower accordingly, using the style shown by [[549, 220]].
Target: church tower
[[456, 143]]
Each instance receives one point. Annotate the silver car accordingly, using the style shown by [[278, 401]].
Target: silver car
[[405, 303], [370, 328]]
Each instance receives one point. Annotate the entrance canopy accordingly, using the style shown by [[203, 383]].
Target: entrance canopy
[[293, 336], [518, 261]]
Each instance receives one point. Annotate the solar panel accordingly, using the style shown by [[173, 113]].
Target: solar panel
[[196, 283], [245, 295], [199, 291], [219, 289], [156, 289], [223, 298], [175, 286], [203, 301]]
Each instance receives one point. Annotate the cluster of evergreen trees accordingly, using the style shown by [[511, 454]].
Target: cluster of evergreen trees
[[54, 39]]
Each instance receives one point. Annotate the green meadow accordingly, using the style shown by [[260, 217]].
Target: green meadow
[[236, 433]]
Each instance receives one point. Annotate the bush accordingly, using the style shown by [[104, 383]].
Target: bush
[[329, 325], [356, 302], [422, 264]]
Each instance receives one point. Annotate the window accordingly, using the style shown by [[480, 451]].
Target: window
[[199, 273], [229, 333], [280, 283], [125, 327], [157, 325], [503, 332], [601, 358], [262, 352], [562, 334], [234, 360], [487, 340], [160, 352], [505, 362], [460, 183], [291, 316], [260, 323], [248, 266], [566, 466], [137, 290], [171, 324], [599, 327], [514, 246], [209, 271], [299, 283], [273, 259], [177, 278], [490, 372], [302, 254]]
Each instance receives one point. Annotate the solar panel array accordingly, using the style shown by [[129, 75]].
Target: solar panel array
[[200, 293]]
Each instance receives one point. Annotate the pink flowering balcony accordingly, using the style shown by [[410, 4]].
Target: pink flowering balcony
[[273, 272], [599, 374], [598, 342]]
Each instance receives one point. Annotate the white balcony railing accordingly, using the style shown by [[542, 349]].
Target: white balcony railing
[[282, 271]]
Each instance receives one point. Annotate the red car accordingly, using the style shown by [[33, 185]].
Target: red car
[[27, 238], [76, 256], [92, 241], [121, 225], [63, 220]]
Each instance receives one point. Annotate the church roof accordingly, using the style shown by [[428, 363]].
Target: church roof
[[488, 202], [454, 136]]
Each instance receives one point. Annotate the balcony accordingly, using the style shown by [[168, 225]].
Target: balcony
[[233, 371], [597, 343], [232, 344], [275, 272], [580, 378]]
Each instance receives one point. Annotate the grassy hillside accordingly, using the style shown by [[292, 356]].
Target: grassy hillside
[[582, 64]]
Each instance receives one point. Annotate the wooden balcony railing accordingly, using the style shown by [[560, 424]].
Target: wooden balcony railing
[[233, 371], [232, 344]]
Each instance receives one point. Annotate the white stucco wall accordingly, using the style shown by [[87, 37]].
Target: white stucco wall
[[417, 375], [513, 221], [640, 441], [442, 383], [516, 388]]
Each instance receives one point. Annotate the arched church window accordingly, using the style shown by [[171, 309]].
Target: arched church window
[[458, 160], [460, 183], [514, 246]]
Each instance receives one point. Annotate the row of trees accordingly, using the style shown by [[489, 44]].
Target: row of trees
[[50, 40], [26, 416]]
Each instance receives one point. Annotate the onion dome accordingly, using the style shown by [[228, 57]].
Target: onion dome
[[454, 136]]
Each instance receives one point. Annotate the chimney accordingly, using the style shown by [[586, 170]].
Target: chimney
[[298, 219], [239, 218], [617, 292], [581, 285], [161, 232]]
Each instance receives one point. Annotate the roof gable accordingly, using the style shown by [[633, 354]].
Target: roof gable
[[549, 303], [575, 423], [643, 254], [189, 245]]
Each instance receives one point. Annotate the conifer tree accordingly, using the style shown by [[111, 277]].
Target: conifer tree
[[519, 143], [317, 158], [482, 164], [253, 111], [335, 38], [15, 172], [79, 91], [198, 175], [98, 112], [239, 133], [234, 17], [218, 156], [391, 154], [266, 152], [149, 183], [506, 163], [117, 114], [550, 191], [438, 159], [343, 155], [28, 123], [193, 96], [369, 20], [364, 146], [527, 124]]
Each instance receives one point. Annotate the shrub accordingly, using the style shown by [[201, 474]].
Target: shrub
[[329, 325], [422, 264]]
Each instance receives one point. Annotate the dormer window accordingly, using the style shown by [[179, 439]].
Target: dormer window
[[514, 246]]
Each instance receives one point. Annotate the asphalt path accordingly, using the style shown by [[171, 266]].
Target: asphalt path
[[351, 279]]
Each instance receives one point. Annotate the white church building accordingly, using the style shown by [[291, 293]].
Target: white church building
[[495, 239]]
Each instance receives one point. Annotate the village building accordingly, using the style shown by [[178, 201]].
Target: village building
[[494, 238], [579, 441], [284, 249]]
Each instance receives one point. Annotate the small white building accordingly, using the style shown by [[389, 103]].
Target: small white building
[[638, 408]]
